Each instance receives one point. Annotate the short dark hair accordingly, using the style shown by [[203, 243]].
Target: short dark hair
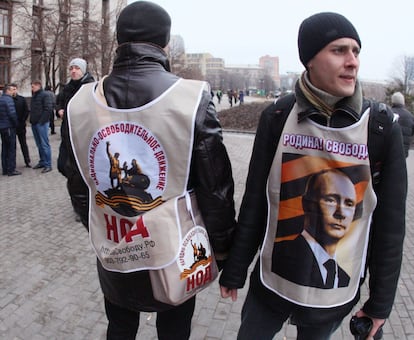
[[7, 87], [36, 82]]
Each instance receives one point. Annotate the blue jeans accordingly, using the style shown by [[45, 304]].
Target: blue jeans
[[262, 321], [41, 137]]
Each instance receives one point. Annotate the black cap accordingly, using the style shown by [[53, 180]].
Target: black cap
[[144, 21], [319, 30]]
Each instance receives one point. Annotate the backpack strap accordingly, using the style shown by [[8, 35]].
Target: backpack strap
[[281, 108], [379, 130]]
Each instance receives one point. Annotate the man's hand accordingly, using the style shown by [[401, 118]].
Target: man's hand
[[377, 323], [228, 292], [60, 113]]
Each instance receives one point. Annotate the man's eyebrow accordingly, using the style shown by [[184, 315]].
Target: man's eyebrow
[[344, 45]]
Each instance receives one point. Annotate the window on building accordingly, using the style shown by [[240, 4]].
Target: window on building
[[5, 56], [5, 38]]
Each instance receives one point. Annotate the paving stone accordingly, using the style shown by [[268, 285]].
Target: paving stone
[[49, 288]]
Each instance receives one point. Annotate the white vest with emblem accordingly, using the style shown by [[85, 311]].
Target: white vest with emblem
[[132, 161]]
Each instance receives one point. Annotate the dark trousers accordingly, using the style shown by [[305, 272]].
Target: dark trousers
[[52, 122], [21, 135], [8, 150], [173, 324], [262, 321]]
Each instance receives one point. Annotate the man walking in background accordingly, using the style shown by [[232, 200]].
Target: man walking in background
[[78, 77], [8, 123], [22, 111], [406, 119], [48, 90], [41, 108]]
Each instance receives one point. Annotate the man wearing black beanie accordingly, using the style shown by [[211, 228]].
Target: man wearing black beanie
[[326, 125], [167, 128]]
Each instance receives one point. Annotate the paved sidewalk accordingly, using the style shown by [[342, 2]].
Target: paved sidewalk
[[48, 282]]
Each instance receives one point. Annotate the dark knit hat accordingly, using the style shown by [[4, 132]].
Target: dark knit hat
[[144, 21], [319, 30]]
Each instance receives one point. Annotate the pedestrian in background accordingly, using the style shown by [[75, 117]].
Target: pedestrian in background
[[41, 107], [219, 94], [326, 109], [406, 119], [8, 124], [48, 90], [78, 77], [241, 97], [22, 111]]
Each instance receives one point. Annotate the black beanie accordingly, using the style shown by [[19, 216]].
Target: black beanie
[[319, 30], [144, 21]]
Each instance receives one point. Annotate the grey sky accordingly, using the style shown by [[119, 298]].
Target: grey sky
[[241, 32]]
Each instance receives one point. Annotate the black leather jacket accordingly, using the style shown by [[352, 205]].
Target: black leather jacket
[[140, 74], [387, 231]]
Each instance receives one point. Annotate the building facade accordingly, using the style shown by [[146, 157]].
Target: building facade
[[39, 37]]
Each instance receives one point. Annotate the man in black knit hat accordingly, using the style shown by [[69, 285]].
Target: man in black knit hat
[[167, 125], [325, 127]]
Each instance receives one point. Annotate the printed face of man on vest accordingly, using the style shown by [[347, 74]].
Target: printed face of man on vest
[[329, 205]]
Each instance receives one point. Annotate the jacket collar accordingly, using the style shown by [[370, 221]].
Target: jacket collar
[[131, 54], [348, 106]]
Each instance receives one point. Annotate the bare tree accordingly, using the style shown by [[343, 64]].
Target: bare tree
[[403, 79], [62, 30], [176, 54]]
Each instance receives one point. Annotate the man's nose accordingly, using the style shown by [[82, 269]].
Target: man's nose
[[339, 212]]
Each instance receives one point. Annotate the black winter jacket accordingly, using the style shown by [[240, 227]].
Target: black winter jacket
[[41, 107], [140, 74], [8, 116], [62, 100], [22, 111], [68, 91], [406, 121], [387, 231]]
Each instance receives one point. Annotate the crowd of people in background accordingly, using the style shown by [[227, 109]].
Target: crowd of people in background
[[41, 110], [55, 107]]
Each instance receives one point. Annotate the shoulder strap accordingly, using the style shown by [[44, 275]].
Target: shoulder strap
[[379, 129], [282, 108], [279, 111], [284, 104]]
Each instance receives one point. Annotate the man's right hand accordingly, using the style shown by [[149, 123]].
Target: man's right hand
[[60, 113], [228, 292]]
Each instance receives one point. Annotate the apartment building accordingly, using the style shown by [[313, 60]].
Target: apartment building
[[39, 37], [271, 67]]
